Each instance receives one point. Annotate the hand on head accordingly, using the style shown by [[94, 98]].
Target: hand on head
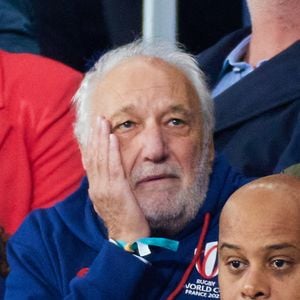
[[109, 189]]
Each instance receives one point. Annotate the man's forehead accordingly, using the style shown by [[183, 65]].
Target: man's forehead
[[131, 72], [127, 90], [147, 106], [261, 210], [141, 61], [260, 220], [262, 225], [136, 82], [135, 109]]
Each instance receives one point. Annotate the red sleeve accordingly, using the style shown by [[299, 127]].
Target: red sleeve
[[40, 156], [54, 152]]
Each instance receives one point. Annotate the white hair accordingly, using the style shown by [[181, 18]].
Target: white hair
[[166, 52]]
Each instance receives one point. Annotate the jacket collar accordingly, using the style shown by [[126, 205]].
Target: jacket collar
[[211, 60]]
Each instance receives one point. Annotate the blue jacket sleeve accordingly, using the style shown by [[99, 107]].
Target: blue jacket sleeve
[[114, 274], [17, 27]]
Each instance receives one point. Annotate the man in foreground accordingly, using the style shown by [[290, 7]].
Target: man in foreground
[[259, 245], [144, 125]]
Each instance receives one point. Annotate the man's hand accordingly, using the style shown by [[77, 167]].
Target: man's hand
[[109, 189]]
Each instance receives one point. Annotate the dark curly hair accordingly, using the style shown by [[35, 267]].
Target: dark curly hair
[[4, 269]]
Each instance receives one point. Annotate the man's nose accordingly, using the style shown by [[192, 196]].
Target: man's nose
[[256, 286], [154, 144]]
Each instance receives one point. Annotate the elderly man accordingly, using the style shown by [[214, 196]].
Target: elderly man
[[255, 81], [259, 245], [144, 125]]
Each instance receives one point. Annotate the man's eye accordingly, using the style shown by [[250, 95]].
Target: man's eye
[[127, 124], [236, 265], [176, 122], [124, 126], [280, 264]]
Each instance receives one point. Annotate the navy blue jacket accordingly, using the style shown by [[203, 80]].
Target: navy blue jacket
[[63, 253], [257, 119]]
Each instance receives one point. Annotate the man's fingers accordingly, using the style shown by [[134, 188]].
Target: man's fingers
[[96, 152], [102, 146], [115, 164]]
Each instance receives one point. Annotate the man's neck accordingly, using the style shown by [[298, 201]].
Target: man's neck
[[274, 28]]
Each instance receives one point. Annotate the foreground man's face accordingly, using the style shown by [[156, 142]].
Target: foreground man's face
[[155, 113], [259, 247]]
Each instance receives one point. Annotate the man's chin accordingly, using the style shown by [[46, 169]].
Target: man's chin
[[167, 218], [157, 198], [170, 208], [169, 225]]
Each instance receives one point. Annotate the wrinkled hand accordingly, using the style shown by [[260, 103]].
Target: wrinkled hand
[[109, 189]]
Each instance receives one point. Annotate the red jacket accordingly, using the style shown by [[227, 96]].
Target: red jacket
[[40, 162]]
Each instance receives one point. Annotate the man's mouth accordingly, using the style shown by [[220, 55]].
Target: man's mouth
[[156, 178]]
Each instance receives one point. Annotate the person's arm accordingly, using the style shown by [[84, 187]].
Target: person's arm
[[114, 274], [40, 158], [17, 27], [48, 128]]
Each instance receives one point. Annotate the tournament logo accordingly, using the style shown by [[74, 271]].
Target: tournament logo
[[208, 265], [204, 284]]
